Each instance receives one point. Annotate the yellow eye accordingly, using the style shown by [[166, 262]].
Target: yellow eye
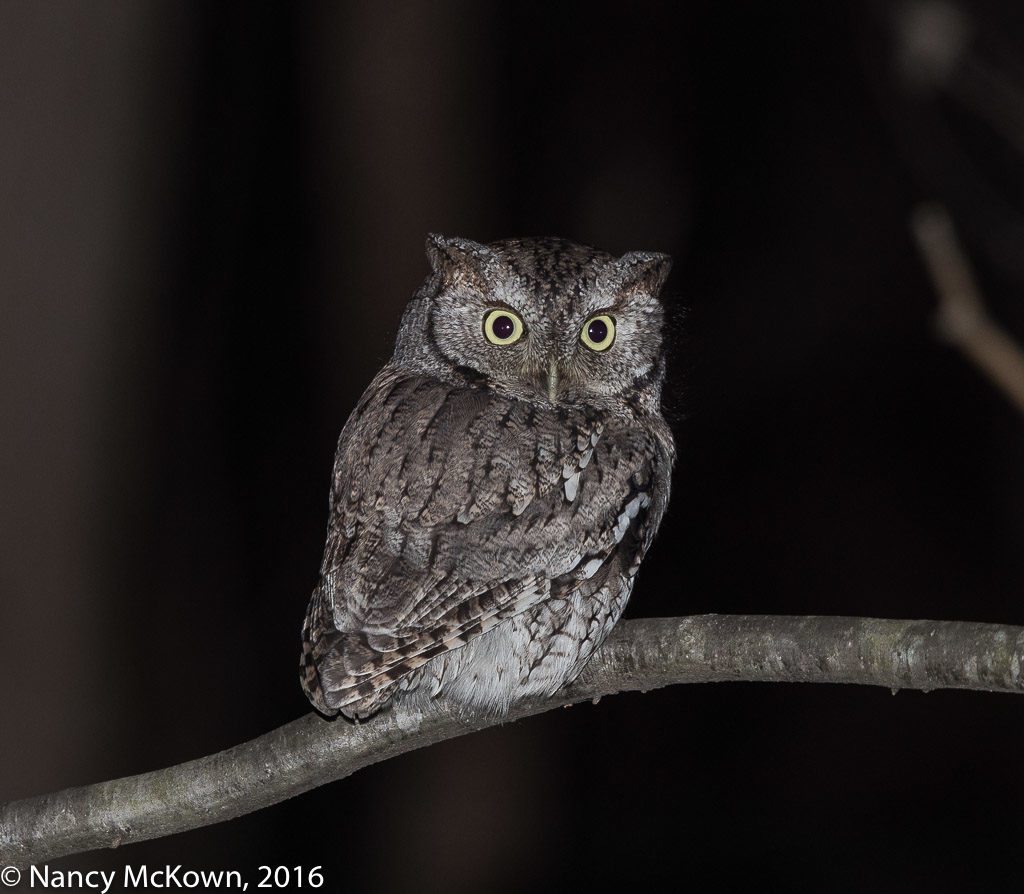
[[598, 332], [502, 327]]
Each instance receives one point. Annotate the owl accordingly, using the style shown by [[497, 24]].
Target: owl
[[497, 485]]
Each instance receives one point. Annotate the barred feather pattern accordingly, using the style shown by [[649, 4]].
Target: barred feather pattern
[[481, 542]]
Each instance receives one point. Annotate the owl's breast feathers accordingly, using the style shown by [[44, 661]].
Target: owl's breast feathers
[[453, 509]]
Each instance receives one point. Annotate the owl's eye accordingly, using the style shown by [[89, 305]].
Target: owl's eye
[[598, 332], [502, 327]]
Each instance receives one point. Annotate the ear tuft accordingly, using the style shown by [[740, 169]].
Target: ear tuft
[[436, 247], [450, 255], [646, 270]]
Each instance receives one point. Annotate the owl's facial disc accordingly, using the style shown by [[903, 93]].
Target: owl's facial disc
[[551, 323]]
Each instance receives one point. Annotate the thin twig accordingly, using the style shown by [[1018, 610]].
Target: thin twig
[[962, 318], [639, 655]]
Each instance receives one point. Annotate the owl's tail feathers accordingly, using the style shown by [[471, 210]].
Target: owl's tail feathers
[[332, 682], [334, 664], [310, 676]]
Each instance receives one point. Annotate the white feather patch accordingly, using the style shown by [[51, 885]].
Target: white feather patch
[[572, 486], [631, 510]]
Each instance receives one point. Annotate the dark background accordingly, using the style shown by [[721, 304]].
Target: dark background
[[211, 218]]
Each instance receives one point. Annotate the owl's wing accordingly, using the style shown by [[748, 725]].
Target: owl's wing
[[453, 509]]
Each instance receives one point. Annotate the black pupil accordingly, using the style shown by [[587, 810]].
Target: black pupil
[[503, 327], [597, 331]]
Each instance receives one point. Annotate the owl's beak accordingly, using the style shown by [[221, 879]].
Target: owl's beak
[[553, 380]]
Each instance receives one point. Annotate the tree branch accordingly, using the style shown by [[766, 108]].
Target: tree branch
[[963, 318], [639, 655]]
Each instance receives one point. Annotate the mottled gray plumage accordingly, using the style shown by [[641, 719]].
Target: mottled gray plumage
[[498, 483]]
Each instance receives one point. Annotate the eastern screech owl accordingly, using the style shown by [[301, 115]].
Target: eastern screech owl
[[496, 487]]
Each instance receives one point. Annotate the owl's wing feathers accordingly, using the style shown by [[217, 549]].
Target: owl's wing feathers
[[467, 508]]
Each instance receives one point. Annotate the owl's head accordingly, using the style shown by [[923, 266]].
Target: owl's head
[[539, 319]]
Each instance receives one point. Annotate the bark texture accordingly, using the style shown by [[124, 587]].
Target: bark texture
[[640, 655]]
